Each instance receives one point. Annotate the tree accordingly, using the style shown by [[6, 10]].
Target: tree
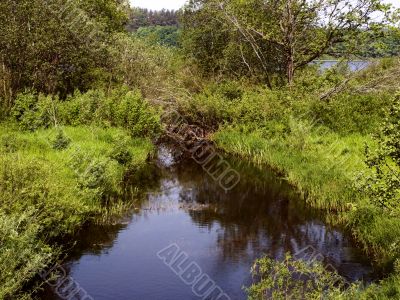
[[162, 35], [54, 46], [208, 39], [299, 31], [142, 17]]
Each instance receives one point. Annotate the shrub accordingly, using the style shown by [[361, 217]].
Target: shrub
[[349, 112], [121, 151], [82, 108], [33, 111], [234, 104], [11, 143], [120, 108], [297, 279], [383, 185], [61, 141], [132, 112], [22, 254]]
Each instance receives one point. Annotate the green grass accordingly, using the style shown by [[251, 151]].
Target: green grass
[[326, 168], [320, 166], [47, 193]]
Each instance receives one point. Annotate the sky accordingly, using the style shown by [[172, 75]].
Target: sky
[[176, 4], [159, 4]]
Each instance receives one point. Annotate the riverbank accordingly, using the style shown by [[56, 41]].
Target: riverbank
[[319, 145], [56, 179], [328, 181], [223, 232]]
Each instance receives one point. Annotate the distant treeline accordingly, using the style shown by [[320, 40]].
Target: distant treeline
[[142, 17], [384, 43]]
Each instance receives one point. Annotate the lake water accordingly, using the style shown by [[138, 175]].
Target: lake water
[[220, 232], [354, 65]]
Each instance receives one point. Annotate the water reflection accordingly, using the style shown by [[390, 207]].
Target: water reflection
[[262, 215], [221, 231]]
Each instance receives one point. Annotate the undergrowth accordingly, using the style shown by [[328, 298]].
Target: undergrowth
[[50, 188]]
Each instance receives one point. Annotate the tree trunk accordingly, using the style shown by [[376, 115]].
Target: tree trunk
[[290, 41], [290, 67]]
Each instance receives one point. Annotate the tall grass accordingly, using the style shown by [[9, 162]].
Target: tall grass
[[318, 146], [48, 191], [322, 167]]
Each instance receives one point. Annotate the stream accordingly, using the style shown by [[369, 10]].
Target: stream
[[221, 233]]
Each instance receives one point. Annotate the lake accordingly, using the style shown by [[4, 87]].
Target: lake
[[354, 65]]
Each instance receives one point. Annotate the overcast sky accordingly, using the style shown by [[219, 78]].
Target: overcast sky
[[176, 4], [159, 4]]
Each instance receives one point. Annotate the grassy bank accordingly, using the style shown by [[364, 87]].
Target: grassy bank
[[59, 171], [51, 184], [328, 181], [320, 166], [319, 147]]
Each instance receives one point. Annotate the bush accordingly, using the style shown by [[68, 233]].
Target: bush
[[140, 64], [349, 113], [121, 151], [383, 186], [297, 279], [82, 108], [232, 103], [46, 194], [33, 111], [130, 111], [22, 254], [120, 108], [61, 141]]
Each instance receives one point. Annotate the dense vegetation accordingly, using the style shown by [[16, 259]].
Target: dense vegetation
[[81, 105], [142, 17]]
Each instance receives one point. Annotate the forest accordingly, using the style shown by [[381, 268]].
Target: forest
[[88, 88]]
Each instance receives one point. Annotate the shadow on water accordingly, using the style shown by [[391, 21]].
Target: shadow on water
[[223, 232]]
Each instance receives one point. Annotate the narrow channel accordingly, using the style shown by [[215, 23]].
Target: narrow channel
[[222, 232]]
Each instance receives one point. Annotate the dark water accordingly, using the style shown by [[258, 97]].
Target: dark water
[[222, 232]]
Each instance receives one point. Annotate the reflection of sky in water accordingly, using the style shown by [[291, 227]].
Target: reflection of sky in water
[[223, 232]]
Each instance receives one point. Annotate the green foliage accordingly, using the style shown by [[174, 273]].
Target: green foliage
[[46, 193], [265, 39], [378, 233], [350, 112], [138, 63], [55, 46], [297, 279], [143, 17], [33, 111], [41, 43], [233, 103], [61, 141], [109, 16], [119, 108], [162, 35], [217, 48], [377, 44], [22, 254], [121, 151], [383, 185]]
